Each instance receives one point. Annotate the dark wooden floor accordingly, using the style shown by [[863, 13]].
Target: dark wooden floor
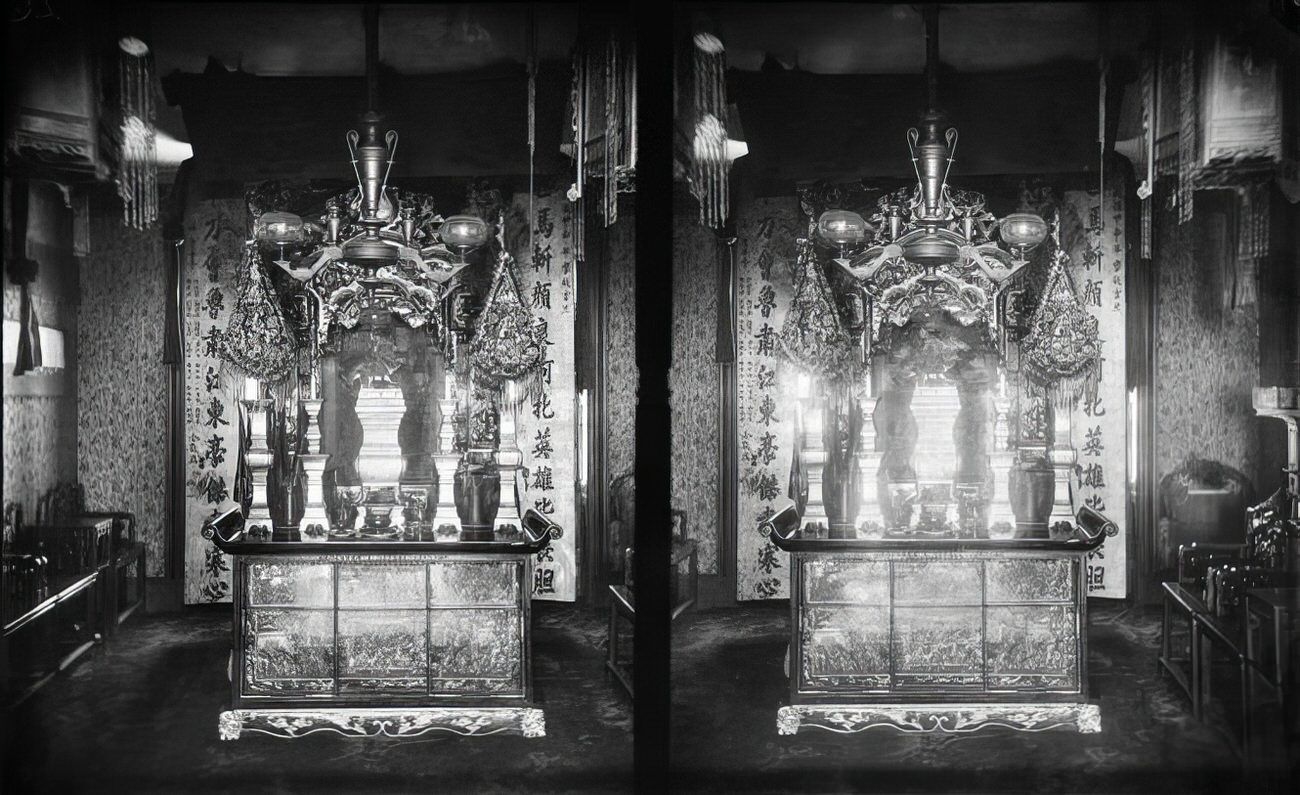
[[140, 716], [728, 684]]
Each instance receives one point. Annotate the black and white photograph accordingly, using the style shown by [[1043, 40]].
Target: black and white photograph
[[1001, 359], [299, 396], [700, 397]]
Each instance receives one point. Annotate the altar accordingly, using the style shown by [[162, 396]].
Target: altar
[[943, 635], [382, 639], [937, 551], [381, 549]]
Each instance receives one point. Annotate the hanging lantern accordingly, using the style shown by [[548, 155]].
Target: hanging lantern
[[137, 179]]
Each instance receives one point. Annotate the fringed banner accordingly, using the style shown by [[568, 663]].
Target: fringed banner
[[212, 412], [256, 341], [1061, 352], [710, 165], [812, 337], [1252, 244], [137, 179], [1187, 121], [509, 344]]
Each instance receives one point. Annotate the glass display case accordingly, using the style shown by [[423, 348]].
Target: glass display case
[[377, 638], [938, 634]]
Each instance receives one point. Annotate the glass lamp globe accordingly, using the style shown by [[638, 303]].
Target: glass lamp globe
[[1023, 230], [464, 232], [278, 228], [842, 227]]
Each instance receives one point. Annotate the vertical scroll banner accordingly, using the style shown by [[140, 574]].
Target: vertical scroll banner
[[547, 426], [1099, 427], [767, 231], [214, 232]]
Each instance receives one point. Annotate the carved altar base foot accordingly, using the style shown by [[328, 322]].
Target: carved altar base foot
[[949, 718], [465, 721]]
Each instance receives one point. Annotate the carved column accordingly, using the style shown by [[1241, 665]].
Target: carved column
[[509, 458], [1000, 462], [445, 461], [315, 522], [1063, 458], [814, 461], [259, 459], [868, 468]]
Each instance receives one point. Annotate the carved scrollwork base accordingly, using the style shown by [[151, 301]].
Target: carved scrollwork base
[[951, 718], [465, 721]]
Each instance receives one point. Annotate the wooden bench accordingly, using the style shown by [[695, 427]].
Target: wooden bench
[[68, 501], [53, 600]]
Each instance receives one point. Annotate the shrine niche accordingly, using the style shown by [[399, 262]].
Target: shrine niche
[[928, 359], [385, 539]]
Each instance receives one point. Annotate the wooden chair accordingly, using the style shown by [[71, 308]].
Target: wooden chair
[[1185, 599], [685, 551], [1224, 627], [622, 605], [68, 501], [50, 578]]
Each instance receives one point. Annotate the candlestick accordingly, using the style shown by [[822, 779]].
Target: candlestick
[[445, 461], [508, 462], [315, 519], [258, 522], [1063, 457], [813, 455]]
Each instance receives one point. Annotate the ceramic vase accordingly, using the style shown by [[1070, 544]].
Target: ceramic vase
[[1032, 487], [477, 492]]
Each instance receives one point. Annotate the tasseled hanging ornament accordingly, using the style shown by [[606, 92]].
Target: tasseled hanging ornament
[[257, 340], [613, 131], [627, 183], [574, 137], [509, 344], [710, 166], [1187, 121], [532, 121], [1062, 351], [137, 179], [1252, 245], [812, 336]]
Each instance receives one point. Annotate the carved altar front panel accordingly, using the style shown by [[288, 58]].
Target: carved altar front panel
[[373, 627], [886, 625]]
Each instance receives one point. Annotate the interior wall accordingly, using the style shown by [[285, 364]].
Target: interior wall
[[621, 373], [122, 381], [693, 383], [40, 409], [1206, 353]]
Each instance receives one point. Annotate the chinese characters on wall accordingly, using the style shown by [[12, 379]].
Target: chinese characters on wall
[[546, 426], [765, 417], [214, 241], [1099, 426]]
